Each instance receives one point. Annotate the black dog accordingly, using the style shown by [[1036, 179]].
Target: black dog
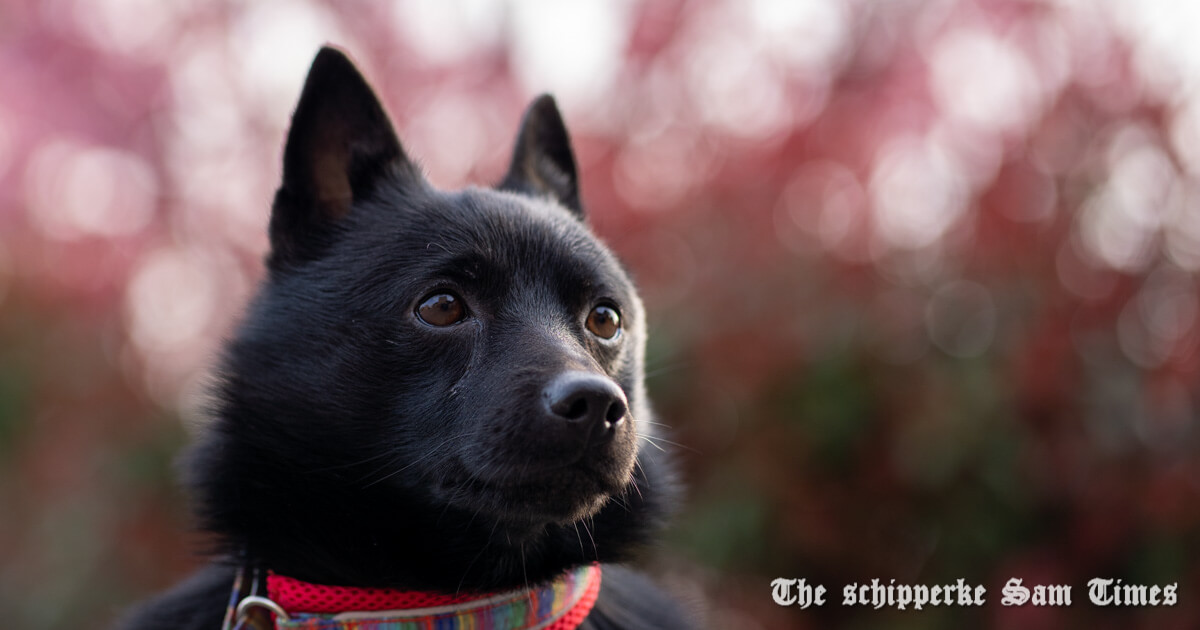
[[432, 391]]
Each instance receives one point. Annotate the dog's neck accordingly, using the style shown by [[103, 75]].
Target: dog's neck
[[381, 538], [559, 604]]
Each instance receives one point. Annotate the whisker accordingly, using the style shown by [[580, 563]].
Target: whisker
[[352, 464], [651, 442], [578, 537], [587, 529], [637, 464], [592, 520], [524, 574], [428, 454], [665, 440], [466, 571], [665, 369]]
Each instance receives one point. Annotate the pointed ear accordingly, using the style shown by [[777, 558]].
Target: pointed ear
[[339, 145], [542, 162]]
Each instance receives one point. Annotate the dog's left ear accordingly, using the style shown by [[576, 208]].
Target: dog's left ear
[[542, 162]]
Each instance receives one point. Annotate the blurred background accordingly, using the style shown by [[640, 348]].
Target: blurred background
[[922, 274]]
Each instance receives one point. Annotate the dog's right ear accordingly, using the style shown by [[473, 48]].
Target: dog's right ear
[[339, 145]]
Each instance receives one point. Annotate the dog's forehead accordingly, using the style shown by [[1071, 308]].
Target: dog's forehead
[[502, 229]]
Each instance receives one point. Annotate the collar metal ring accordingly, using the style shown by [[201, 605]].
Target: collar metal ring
[[253, 601]]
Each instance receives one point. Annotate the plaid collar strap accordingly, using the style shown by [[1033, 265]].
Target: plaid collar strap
[[558, 605]]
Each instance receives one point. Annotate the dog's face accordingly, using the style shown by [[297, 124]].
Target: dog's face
[[490, 351], [459, 362]]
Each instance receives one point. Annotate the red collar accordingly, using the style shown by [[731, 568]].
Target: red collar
[[561, 604]]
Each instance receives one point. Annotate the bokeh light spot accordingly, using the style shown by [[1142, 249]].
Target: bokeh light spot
[[811, 36], [131, 26], [274, 42], [453, 136], [74, 191], [1183, 225], [734, 90], [824, 204], [447, 31], [1155, 324], [917, 192], [985, 81], [569, 48], [172, 299]]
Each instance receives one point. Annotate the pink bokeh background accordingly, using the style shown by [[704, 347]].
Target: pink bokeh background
[[922, 275]]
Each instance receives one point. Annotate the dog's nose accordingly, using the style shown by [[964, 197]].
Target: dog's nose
[[589, 403]]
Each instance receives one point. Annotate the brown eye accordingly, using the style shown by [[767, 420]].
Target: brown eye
[[442, 309], [604, 322]]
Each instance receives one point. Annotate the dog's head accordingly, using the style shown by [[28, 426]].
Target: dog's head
[[471, 356]]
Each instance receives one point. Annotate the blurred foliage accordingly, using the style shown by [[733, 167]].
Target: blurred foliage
[[922, 275]]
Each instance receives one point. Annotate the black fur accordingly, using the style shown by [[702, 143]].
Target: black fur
[[353, 443]]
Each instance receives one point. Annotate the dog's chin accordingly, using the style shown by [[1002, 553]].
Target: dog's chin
[[556, 497], [518, 509]]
